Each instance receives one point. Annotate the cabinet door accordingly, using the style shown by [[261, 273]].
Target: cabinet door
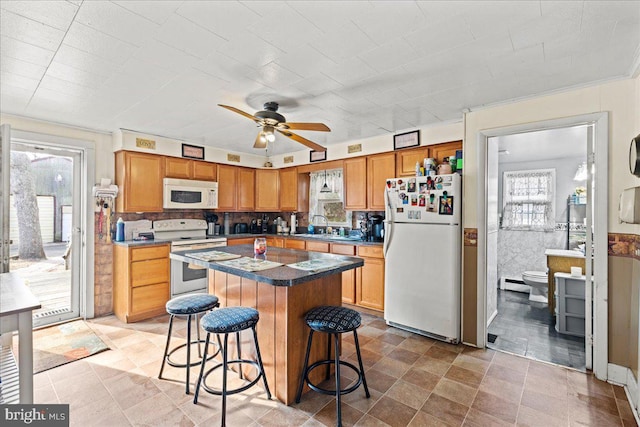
[[150, 298], [355, 183], [318, 246], [379, 168], [276, 242], [406, 160], [246, 190], [448, 149], [177, 168], [288, 189], [204, 171], [267, 188], [370, 284], [349, 276], [240, 241], [139, 176], [294, 244], [227, 187]]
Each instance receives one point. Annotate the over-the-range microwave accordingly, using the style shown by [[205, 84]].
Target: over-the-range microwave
[[189, 194]]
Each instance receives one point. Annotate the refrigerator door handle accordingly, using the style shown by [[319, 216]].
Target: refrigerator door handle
[[387, 237]]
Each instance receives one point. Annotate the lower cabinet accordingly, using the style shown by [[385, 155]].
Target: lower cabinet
[[295, 244], [276, 242], [141, 277], [370, 278], [241, 241], [349, 276]]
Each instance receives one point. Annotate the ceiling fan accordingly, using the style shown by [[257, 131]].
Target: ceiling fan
[[271, 121]]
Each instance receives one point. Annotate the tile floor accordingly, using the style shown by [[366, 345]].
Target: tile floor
[[413, 380], [528, 329]]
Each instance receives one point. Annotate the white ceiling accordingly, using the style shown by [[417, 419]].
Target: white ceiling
[[546, 144], [362, 68]]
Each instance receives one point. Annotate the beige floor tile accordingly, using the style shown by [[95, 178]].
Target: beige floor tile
[[378, 346], [282, 416], [369, 421], [418, 345], [129, 389], [100, 412], [528, 417], [433, 365], [503, 389], [391, 367], [422, 419], [554, 406], [455, 391], [392, 412], [78, 391], [328, 416], [464, 376], [407, 393], [496, 407], [471, 363], [477, 418], [452, 413], [506, 374], [421, 378]]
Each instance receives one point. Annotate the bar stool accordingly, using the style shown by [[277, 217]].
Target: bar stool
[[190, 306], [334, 321], [225, 321]]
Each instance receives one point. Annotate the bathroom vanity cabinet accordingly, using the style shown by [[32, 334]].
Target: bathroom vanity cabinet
[[561, 261]]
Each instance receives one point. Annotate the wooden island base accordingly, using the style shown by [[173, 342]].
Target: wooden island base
[[282, 331]]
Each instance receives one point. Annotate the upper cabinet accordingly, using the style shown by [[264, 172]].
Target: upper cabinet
[[246, 190], [380, 167], [288, 189], [448, 149], [139, 177], [189, 169], [406, 159], [355, 183], [227, 182], [267, 189], [204, 171]]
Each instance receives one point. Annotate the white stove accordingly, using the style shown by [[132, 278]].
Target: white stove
[[186, 234]]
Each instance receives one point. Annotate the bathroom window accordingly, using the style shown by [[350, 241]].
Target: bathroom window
[[329, 204], [528, 200]]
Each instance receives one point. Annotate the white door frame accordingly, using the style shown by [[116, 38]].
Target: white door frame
[[600, 121], [5, 143], [86, 217]]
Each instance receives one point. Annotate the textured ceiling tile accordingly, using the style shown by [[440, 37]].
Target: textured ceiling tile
[[388, 20], [166, 57], [14, 100], [223, 18], [159, 13], [84, 61], [441, 37], [250, 50], [13, 48], [21, 68], [333, 44], [547, 28], [75, 75], [30, 31], [490, 17], [274, 76], [317, 84], [10, 79], [181, 34], [111, 19], [56, 14], [349, 70], [328, 15], [92, 41], [392, 54]]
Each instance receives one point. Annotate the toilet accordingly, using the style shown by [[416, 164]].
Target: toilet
[[539, 285]]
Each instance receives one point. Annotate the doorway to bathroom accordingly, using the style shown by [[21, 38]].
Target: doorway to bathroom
[[539, 208]]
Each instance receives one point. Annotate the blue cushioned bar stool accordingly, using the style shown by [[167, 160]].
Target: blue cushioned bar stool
[[334, 321], [225, 321], [190, 306]]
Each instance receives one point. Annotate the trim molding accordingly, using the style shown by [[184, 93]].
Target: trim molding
[[619, 375], [624, 245]]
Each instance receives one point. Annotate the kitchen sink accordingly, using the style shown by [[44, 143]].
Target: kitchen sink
[[329, 237]]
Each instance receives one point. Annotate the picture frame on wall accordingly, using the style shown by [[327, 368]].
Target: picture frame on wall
[[406, 140], [192, 152], [317, 156]]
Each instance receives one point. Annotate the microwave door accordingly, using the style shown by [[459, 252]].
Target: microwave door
[[186, 196]]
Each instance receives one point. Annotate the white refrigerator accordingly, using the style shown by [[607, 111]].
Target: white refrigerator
[[422, 255]]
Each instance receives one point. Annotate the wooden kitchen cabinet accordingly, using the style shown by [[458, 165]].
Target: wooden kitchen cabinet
[[370, 278], [380, 167], [447, 149], [288, 179], [318, 246], [406, 160], [189, 169], [139, 178], [295, 244], [355, 183], [141, 281], [267, 190], [246, 190], [349, 276], [177, 168], [204, 171], [240, 241], [276, 242], [227, 183]]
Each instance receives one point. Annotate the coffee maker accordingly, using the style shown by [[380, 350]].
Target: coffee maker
[[376, 228]]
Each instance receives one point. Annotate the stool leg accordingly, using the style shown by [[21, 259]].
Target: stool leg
[[206, 345], [188, 353], [328, 373], [304, 369], [259, 357], [224, 379], [197, 316], [238, 343], [337, 368], [166, 347], [364, 380]]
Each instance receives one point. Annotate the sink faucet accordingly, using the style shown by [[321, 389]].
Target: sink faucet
[[326, 221]]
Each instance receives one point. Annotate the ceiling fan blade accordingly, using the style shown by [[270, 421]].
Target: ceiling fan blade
[[321, 127], [260, 142], [302, 140], [242, 113]]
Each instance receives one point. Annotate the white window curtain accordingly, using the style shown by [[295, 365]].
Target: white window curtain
[[529, 200], [329, 205]]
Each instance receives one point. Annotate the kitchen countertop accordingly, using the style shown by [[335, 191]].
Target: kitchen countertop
[[278, 276], [317, 237], [564, 253]]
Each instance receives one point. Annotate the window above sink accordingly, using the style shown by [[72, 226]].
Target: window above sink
[[328, 204]]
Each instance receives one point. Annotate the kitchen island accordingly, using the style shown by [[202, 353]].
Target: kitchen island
[[295, 282]]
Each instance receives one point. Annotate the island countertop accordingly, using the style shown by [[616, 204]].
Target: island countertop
[[278, 276]]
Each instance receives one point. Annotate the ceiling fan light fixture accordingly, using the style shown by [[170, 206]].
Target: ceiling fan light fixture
[[268, 133]]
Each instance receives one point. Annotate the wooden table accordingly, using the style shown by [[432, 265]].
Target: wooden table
[[282, 295], [16, 306]]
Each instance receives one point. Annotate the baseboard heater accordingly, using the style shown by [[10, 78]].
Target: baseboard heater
[[513, 284]]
